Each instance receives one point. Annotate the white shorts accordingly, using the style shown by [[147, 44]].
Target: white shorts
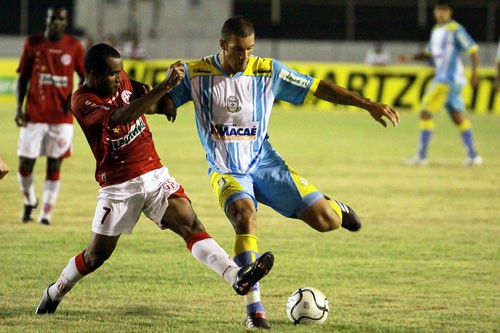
[[38, 139], [120, 206]]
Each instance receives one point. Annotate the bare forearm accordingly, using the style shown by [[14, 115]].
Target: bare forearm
[[411, 57], [331, 92], [474, 62], [334, 93], [139, 106], [21, 89], [143, 104]]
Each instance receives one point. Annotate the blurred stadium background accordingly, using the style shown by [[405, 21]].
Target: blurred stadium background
[[326, 31]]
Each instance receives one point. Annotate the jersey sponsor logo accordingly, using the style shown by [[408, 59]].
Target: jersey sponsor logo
[[132, 134], [93, 105], [46, 79], [233, 132], [199, 70], [126, 94], [66, 59], [293, 79], [233, 104]]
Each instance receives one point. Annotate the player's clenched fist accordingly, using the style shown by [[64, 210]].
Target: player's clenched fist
[[175, 74]]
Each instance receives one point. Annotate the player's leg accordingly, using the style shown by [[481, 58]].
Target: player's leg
[[455, 107], [292, 195], [181, 219], [235, 195], [57, 147], [327, 214], [31, 137], [118, 210], [50, 189], [433, 101], [98, 251], [177, 214], [26, 182]]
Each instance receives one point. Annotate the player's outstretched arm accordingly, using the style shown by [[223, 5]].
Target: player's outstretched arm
[[403, 58], [334, 93], [141, 105], [474, 80]]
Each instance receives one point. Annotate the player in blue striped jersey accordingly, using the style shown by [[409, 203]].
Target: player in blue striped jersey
[[448, 40], [233, 94]]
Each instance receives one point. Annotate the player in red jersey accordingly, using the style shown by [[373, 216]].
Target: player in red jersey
[[110, 110], [48, 62]]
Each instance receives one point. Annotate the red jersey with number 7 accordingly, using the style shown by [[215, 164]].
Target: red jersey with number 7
[[122, 152], [50, 67]]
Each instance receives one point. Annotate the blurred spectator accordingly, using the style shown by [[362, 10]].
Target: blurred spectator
[[88, 41], [111, 40], [133, 48], [376, 55]]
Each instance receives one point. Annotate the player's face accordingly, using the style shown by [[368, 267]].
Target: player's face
[[237, 52], [442, 14], [108, 83], [56, 22]]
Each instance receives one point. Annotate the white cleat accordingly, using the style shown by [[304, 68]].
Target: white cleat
[[416, 161], [471, 161]]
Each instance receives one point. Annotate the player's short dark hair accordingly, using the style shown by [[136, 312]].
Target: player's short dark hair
[[97, 56], [237, 25], [57, 7], [443, 3]]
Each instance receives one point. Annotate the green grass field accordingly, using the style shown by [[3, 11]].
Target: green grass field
[[426, 260]]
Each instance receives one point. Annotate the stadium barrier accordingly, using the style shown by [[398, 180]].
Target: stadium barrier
[[399, 86]]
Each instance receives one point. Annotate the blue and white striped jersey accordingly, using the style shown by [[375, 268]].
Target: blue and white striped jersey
[[447, 42], [232, 112]]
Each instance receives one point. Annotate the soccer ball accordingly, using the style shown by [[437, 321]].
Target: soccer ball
[[307, 305]]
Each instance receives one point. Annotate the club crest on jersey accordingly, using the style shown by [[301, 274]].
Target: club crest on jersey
[[170, 185], [233, 104], [66, 59], [132, 134], [126, 94]]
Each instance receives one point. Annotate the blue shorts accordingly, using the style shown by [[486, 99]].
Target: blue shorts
[[445, 95], [272, 183]]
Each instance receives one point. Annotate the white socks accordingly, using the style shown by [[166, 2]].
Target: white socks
[[50, 193], [68, 279], [208, 252], [27, 186]]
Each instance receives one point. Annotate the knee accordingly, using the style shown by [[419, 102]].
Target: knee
[[327, 222], [425, 115], [321, 217], [181, 218], [26, 164], [242, 215]]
